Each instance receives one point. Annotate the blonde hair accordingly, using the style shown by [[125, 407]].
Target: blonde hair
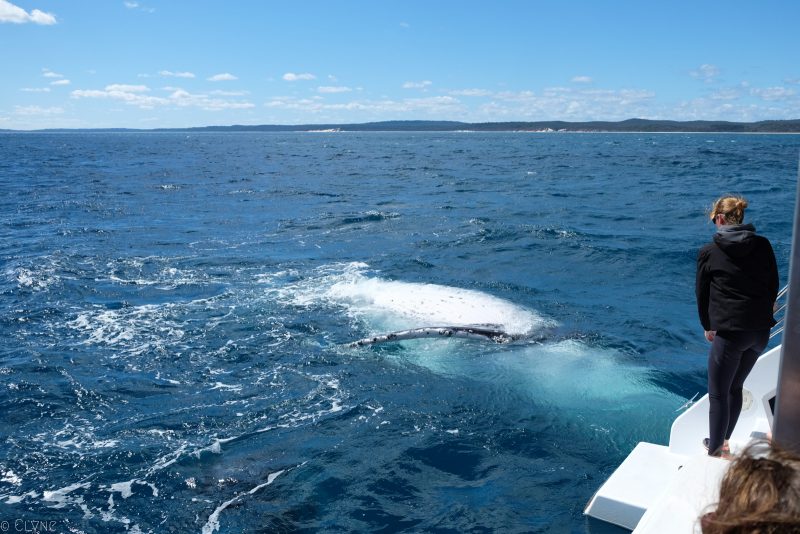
[[732, 208], [760, 493]]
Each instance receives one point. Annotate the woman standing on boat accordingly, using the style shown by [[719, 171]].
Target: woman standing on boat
[[736, 287]]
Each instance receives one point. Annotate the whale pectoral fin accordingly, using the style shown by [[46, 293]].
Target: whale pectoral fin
[[479, 332]]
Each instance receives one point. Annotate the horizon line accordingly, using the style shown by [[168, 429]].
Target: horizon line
[[453, 125]]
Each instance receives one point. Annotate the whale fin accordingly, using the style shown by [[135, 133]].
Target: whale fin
[[481, 332]]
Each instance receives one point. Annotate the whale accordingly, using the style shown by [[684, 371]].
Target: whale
[[494, 333], [511, 349]]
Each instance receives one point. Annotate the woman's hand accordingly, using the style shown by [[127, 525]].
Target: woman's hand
[[710, 334]]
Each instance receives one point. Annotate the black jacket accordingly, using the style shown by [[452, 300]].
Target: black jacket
[[737, 281]]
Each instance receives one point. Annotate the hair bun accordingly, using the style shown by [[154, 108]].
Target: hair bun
[[731, 207]]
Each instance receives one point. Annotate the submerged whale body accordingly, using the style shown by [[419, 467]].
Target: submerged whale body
[[396, 311], [530, 360], [393, 310], [480, 332]]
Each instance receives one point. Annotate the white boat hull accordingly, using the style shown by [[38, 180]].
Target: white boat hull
[[667, 488]]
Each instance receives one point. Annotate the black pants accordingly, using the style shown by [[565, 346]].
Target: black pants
[[730, 360]]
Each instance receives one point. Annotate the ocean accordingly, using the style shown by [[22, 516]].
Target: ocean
[[176, 309]]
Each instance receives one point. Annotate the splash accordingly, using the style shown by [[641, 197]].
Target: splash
[[385, 305], [564, 374], [212, 525]]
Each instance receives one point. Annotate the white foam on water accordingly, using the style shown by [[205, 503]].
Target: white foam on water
[[134, 330], [79, 437], [61, 497], [108, 515], [325, 397], [167, 278], [10, 477], [390, 305], [36, 278], [212, 525], [125, 489], [214, 448], [421, 305], [167, 460], [227, 387], [14, 499], [311, 291]]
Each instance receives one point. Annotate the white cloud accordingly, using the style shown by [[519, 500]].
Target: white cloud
[[134, 95], [774, 93], [170, 74], [225, 76], [37, 110], [731, 110], [47, 73], [229, 93], [292, 77], [470, 92], [333, 89], [136, 5], [582, 79], [130, 94], [564, 103], [707, 73], [438, 106], [11, 13], [729, 93], [417, 85], [35, 89], [183, 98], [128, 88], [60, 82]]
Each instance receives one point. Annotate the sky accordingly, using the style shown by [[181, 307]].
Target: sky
[[182, 63]]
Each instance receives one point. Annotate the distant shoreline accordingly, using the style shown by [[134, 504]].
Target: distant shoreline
[[628, 126]]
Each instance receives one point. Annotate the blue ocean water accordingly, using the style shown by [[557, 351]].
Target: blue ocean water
[[175, 309]]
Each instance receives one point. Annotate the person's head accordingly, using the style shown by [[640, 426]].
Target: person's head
[[728, 210], [760, 493]]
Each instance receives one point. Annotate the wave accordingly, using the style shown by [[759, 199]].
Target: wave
[[370, 216], [35, 279], [134, 330]]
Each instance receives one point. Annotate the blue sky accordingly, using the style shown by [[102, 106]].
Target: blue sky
[[178, 63]]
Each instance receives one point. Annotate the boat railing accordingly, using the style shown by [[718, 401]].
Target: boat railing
[[780, 312]]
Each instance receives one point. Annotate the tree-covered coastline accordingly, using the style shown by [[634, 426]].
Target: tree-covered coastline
[[630, 125]]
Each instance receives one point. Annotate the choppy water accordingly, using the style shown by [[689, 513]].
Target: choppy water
[[174, 309]]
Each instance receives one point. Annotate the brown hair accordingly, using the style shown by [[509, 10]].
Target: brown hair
[[732, 208], [760, 494]]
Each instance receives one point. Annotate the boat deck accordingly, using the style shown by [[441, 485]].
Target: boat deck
[[662, 488]]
